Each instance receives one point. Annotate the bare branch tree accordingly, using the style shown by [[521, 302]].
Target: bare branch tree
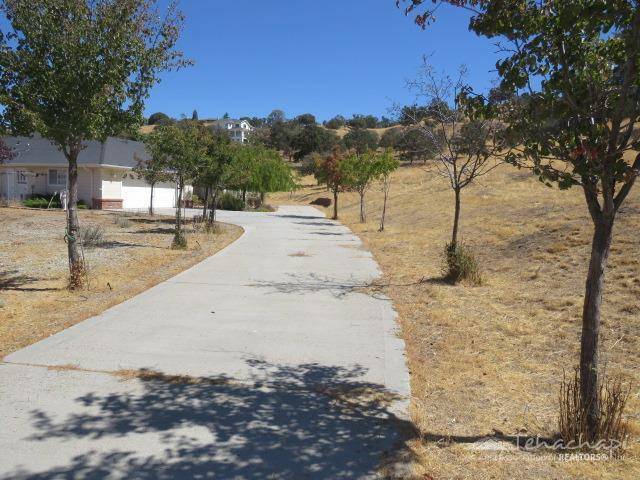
[[464, 149]]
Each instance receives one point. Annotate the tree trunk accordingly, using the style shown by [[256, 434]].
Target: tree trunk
[[205, 203], [335, 205], [385, 189], [589, 391], [262, 197], [76, 265], [456, 220], [214, 205], [362, 212], [244, 197], [177, 238], [151, 200]]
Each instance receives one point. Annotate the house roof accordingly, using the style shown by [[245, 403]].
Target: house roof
[[38, 151]]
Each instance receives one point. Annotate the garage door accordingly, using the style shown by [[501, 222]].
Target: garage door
[[136, 194]]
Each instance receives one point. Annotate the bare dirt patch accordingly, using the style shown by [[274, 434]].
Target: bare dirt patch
[[487, 361], [133, 255]]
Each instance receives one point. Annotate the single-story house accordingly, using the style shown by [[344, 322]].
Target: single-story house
[[105, 177]]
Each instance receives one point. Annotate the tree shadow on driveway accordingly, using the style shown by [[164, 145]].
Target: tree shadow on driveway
[[302, 284], [307, 421]]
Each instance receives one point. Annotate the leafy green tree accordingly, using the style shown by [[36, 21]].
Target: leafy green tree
[[361, 140], [412, 114], [359, 171], [152, 170], [158, 118], [413, 145], [6, 153], [282, 136], [363, 121], [79, 70], [336, 122], [184, 148], [387, 164], [313, 138], [391, 137], [305, 119], [210, 171], [271, 174], [386, 122], [276, 116], [194, 115], [577, 61], [257, 169], [329, 172]]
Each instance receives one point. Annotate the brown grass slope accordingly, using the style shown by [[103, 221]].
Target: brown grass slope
[[488, 360]]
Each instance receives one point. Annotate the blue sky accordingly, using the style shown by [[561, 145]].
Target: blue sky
[[323, 57]]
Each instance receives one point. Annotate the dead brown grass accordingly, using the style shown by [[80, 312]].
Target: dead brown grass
[[491, 358], [34, 301]]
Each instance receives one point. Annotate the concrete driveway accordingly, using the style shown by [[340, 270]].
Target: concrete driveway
[[263, 361]]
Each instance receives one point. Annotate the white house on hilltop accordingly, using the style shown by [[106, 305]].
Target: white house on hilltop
[[105, 177], [238, 130]]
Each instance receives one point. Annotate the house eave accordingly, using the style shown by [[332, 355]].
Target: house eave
[[62, 165]]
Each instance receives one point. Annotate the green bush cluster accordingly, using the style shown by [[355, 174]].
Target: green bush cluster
[[228, 201], [46, 201]]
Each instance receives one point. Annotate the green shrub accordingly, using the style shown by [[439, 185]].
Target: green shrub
[[39, 200], [42, 201], [228, 201], [36, 203], [91, 235], [461, 264]]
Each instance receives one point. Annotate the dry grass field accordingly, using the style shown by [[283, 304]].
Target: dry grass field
[[487, 361], [133, 255]]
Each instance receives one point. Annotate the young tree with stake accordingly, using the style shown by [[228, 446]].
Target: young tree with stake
[[572, 67], [463, 150], [79, 70], [359, 171], [152, 170], [184, 146], [387, 164]]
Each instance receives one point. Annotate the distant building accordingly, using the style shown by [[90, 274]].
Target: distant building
[[238, 130]]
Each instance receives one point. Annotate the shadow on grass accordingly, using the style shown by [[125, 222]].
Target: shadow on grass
[[305, 421], [520, 441], [158, 230], [111, 244], [13, 280]]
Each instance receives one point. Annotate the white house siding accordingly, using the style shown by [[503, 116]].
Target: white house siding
[[85, 185], [111, 184], [136, 194]]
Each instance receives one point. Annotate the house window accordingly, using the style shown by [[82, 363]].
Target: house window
[[57, 178], [21, 177]]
